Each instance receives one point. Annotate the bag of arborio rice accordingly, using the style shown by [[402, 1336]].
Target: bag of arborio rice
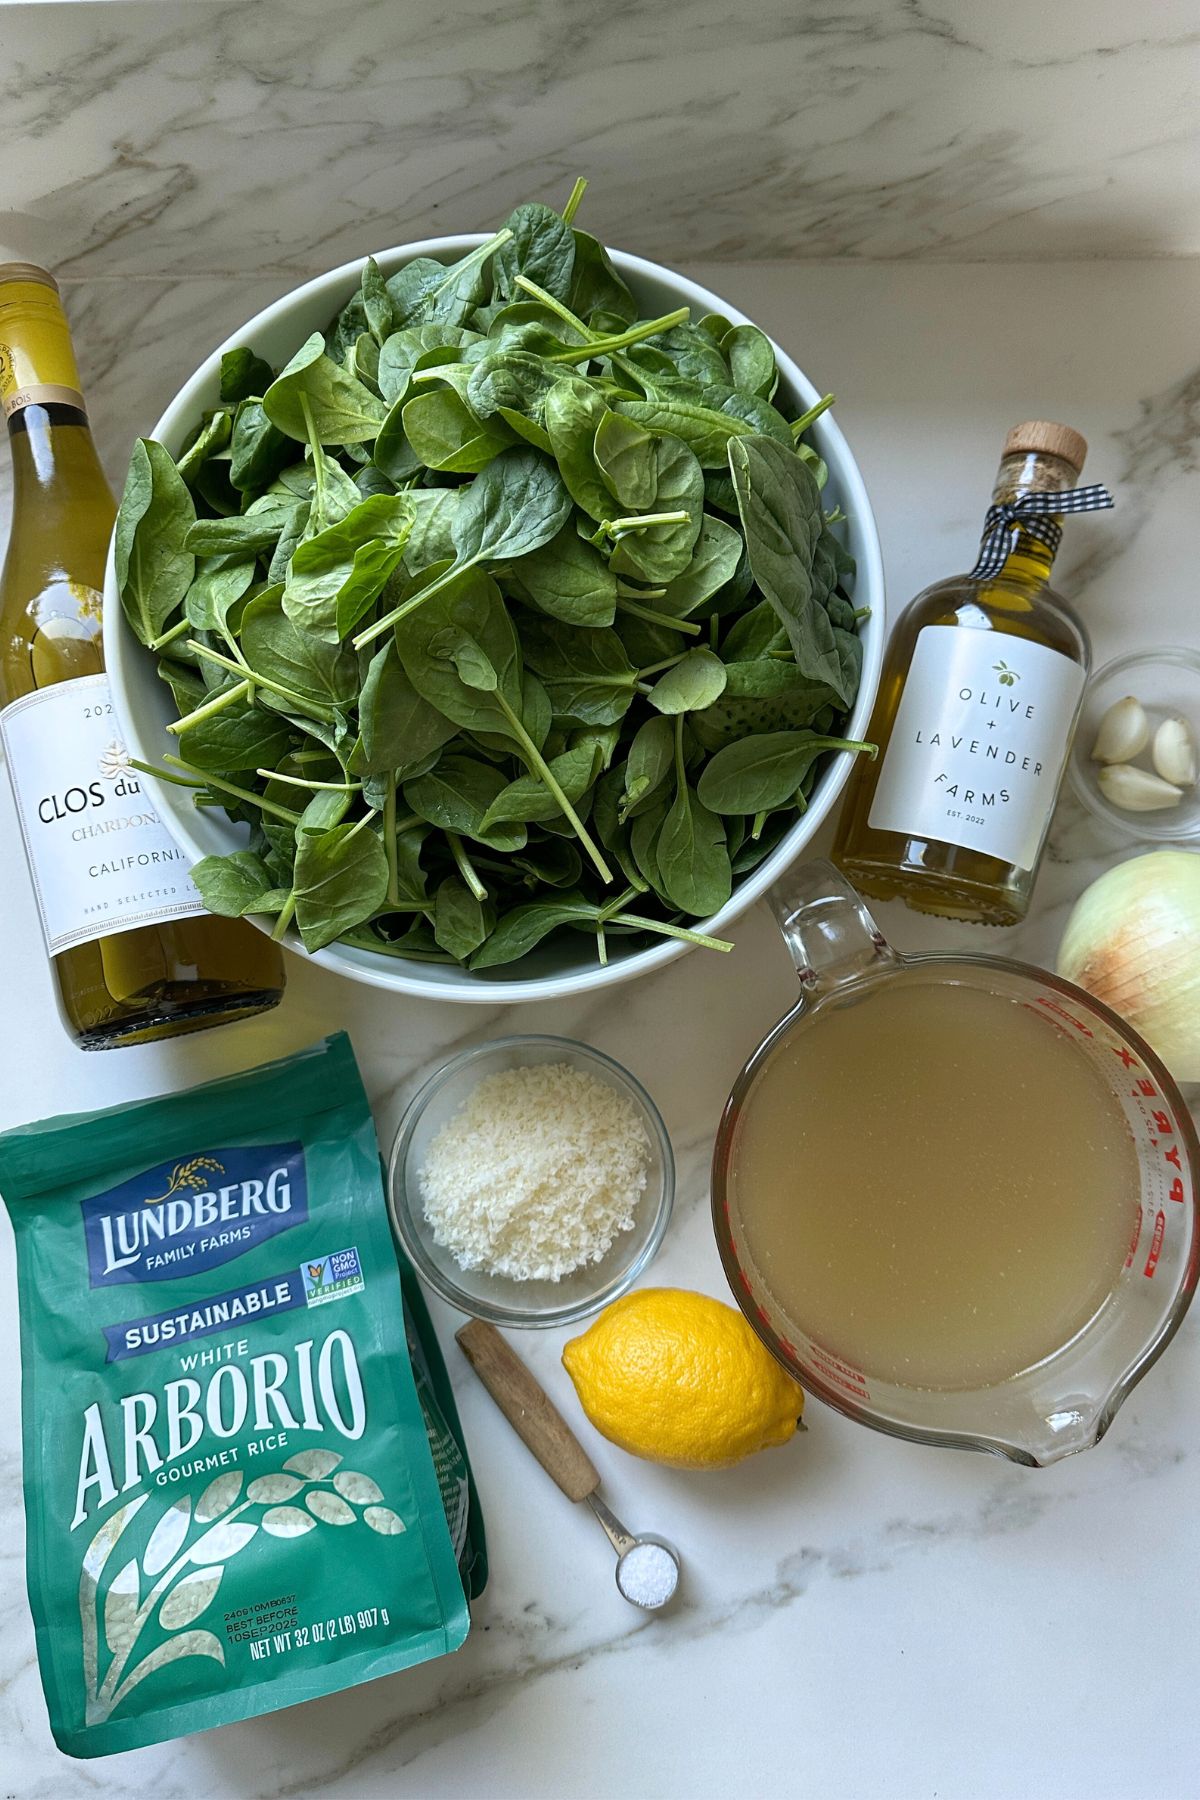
[[236, 1495]]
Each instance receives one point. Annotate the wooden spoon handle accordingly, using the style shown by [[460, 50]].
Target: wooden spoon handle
[[528, 1409]]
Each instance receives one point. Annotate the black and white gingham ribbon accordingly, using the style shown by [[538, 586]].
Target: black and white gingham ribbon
[[1036, 515]]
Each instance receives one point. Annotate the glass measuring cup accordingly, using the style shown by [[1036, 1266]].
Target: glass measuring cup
[[1067, 1401]]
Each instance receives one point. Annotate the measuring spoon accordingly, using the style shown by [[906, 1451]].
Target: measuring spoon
[[647, 1566]]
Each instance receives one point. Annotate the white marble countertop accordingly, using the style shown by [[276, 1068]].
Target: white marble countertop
[[863, 1619]]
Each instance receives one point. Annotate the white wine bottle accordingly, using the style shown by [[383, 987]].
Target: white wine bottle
[[135, 955]]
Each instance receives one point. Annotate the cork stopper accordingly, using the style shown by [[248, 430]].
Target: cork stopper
[[1042, 437], [26, 271]]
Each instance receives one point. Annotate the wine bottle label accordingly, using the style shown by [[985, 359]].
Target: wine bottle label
[[37, 363], [979, 743], [100, 857]]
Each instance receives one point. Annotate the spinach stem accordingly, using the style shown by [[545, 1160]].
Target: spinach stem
[[389, 841], [285, 917], [620, 340], [615, 528], [466, 867], [215, 705], [658, 667], [601, 944], [358, 824], [313, 709], [320, 787], [168, 637], [614, 906], [316, 449], [202, 779], [145, 768], [576, 195], [411, 604], [656, 618], [554, 306], [801, 425], [538, 764], [672, 931]]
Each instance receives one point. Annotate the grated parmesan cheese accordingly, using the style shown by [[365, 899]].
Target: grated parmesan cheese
[[537, 1173]]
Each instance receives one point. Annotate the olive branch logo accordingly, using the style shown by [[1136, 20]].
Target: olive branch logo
[[178, 1579], [1007, 676], [193, 1175]]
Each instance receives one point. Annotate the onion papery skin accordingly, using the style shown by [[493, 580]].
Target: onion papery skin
[[1133, 940]]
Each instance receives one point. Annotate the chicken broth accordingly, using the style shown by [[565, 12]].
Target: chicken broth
[[935, 1184]]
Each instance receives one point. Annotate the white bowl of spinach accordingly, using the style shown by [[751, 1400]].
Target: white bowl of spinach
[[489, 617]]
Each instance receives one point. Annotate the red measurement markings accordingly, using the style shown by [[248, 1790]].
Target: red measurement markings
[[1156, 1243], [1133, 1242], [1161, 1122], [1061, 1012], [839, 1374]]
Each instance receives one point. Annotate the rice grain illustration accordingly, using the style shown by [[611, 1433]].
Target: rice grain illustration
[[181, 1569]]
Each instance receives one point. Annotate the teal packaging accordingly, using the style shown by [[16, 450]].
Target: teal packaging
[[236, 1497]]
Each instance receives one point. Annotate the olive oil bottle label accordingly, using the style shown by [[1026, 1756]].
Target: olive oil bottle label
[[101, 859], [980, 739]]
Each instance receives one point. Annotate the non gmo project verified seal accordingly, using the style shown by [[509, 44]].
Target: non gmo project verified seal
[[332, 1277]]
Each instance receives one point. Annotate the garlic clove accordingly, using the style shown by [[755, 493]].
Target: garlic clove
[[1174, 752], [1124, 730], [1136, 790]]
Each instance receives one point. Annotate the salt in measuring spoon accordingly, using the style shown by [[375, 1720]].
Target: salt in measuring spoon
[[647, 1566]]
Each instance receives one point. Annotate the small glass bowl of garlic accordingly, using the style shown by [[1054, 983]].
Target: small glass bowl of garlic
[[1135, 759]]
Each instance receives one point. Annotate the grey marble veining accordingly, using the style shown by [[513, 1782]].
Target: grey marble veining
[[862, 1619], [191, 136]]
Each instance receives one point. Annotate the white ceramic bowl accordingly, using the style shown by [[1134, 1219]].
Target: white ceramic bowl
[[144, 707]]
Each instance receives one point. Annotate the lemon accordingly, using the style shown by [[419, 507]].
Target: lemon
[[681, 1379]]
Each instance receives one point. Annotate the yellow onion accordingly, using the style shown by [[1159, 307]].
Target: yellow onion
[[1133, 940]]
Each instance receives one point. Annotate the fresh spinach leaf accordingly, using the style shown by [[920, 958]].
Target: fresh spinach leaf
[[764, 772], [243, 374], [457, 796], [443, 433], [341, 410], [695, 682], [461, 922], [233, 885], [625, 457], [307, 667], [340, 879], [780, 508], [398, 727], [568, 579], [541, 247], [335, 576], [154, 565]]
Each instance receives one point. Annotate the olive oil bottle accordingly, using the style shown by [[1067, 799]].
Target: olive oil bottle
[[977, 707], [135, 955]]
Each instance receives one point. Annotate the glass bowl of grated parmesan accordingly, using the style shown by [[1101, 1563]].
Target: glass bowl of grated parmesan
[[531, 1181]]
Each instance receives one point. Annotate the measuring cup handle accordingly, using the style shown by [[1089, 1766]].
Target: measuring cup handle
[[832, 937]]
